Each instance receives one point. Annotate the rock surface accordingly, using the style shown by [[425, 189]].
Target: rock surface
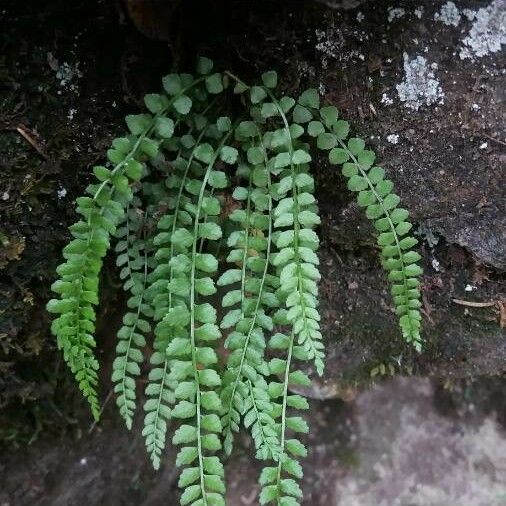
[[403, 442]]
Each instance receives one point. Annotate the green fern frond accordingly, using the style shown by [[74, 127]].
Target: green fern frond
[[258, 419], [132, 257], [375, 194], [168, 289], [253, 296], [295, 261], [78, 283], [278, 481], [193, 354], [296, 215]]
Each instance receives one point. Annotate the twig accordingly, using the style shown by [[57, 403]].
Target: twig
[[24, 132], [494, 139], [474, 304]]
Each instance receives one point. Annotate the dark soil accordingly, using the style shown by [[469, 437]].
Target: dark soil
[[70, 71]]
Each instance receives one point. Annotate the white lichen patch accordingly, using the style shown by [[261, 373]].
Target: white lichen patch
[[419, 12], [393, 138], [469, 14], [68, 75], [72, 112], [386, 100], [488, 32], [420, 86], [395, 13], [61, 192], [449, 14], [331, 44]]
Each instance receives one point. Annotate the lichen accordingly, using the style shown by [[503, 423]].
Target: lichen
[[449, 14], [488, 32], [420, 86], [395, 13]]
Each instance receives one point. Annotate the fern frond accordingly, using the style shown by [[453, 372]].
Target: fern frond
[[78, 284], [297, 215], [193, 354], [375, 194], [295, 262], [278, 481], [253, 298], [167, 289], [132, 257], [258, 419]]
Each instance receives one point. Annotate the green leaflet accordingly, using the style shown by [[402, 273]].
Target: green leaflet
[[205, 271]]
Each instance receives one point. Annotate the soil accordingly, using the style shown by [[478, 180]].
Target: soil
[[68, 75]]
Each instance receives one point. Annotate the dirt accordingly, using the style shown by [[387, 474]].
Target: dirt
[[64, 89]]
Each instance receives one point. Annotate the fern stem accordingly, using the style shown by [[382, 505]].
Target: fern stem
[[283, 412], [235, 78], [245, 253]]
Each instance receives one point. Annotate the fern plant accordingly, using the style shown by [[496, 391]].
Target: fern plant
[[210, 202]]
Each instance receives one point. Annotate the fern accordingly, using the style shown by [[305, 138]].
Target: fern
[[78, 283], [132, 249], [250, 252], [164, 199], [381, 204], [168, 287], [165, 293], [295, 216]]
